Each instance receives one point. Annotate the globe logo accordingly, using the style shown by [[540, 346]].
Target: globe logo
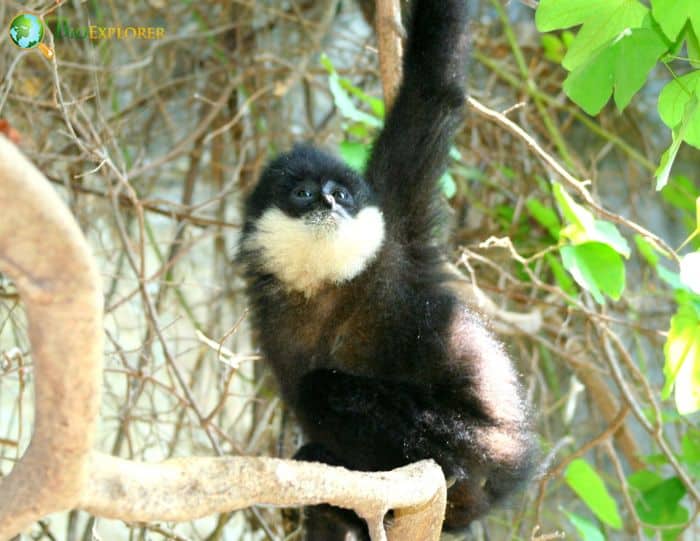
[[27, 31]]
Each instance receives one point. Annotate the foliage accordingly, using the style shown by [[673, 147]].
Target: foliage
[[586, 482], [617, 47], [614, 52]]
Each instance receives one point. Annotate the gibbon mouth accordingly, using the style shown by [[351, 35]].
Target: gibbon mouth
[[340, 212], [327, 217]]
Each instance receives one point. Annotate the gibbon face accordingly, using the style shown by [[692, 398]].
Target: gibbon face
[[313, 226]]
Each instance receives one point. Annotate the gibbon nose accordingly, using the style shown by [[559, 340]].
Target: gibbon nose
[[328, 198]]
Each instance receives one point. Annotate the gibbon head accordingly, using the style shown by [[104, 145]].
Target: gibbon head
[[312, 221]]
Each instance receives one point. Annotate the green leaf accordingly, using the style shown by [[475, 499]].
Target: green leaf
[[572, 211], [342, 99], [659, 504], [673, 14], [694, 469], [591, 86], [596, 267], [636, 53], [644, 480], [354, 154], [668, 158], [589, 486], [690, 444], [607, 233], [560, 275], [672, 278], [678, 107], [602, 20], [375, 104], [681, 192], [448, 185], [646, 250], [615, 49], [584, 227], [585, 528], [545, 216], [359, 130], [447, 182], [692, 40], [568, 38], [555, 14], [620, 68], [682, 366], [680, 132], [554, 48]]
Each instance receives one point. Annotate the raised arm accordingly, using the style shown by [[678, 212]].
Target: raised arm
[[410, 154]]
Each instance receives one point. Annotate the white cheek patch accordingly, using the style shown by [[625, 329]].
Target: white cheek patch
[[305, 256]]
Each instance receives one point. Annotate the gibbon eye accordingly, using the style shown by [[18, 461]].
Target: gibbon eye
[[336, 193], [303, 194], [342, 196]]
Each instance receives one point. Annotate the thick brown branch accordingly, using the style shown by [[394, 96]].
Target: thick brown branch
[[189, 488], [387, 23], [44, 252]]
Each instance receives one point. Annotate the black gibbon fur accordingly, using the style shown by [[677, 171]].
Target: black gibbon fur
[[381, 361]]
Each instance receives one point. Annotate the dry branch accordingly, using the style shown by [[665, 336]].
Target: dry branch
[[387, 23], [189, 488], [571, 181], [43, 250]]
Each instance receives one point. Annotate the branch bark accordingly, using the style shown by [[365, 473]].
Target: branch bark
[[44, 252], [189, 488], [387, 24]]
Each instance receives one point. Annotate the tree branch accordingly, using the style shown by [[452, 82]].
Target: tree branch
[[387, 24], [44, 252], [188, 488], [572, 182]]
